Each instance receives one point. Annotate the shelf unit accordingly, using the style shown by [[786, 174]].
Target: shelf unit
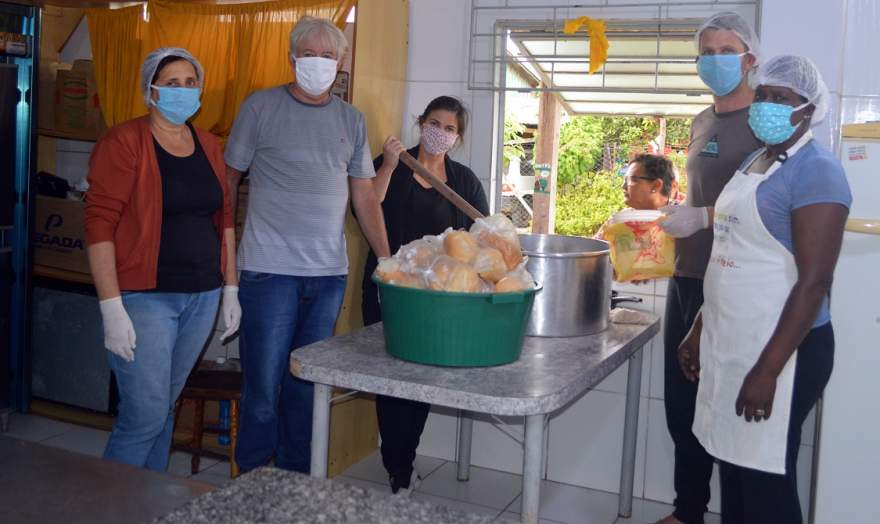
[[67, 135]]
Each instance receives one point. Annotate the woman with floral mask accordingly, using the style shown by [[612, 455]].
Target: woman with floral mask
[[161, 244], [762, 347], [413, 209]]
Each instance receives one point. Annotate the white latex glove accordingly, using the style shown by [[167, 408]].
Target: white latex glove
[[684, 221], [119, 334], [231, 310]]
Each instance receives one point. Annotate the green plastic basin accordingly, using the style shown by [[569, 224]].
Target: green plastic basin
[[454, 329]]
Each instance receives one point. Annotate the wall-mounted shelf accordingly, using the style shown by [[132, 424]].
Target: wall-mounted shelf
[[61, 274], [67, 135]]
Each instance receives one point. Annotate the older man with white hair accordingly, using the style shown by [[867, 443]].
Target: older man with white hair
[[304, 151]]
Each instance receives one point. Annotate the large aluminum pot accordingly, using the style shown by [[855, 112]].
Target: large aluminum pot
[[575, 273]]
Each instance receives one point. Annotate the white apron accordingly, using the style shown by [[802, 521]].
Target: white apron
[[747, 283]]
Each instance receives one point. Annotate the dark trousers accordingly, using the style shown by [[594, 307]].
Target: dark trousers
[[401, 422], [749, 496], [693, 466]]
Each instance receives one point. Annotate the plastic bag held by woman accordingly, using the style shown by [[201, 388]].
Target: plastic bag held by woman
[[640, 250]]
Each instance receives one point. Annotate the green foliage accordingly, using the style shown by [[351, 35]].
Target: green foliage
[[678, 131], [587, 196], [679, 160], [512, 131], [580, 148], [582, 208], [582, 139]]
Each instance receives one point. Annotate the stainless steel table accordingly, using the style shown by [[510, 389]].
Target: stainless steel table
[[550, 373]]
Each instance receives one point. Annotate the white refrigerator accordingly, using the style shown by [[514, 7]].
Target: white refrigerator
[[847, 478]]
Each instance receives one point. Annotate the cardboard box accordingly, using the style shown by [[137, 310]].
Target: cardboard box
[[76, 101], [14, 44], [59, 234]]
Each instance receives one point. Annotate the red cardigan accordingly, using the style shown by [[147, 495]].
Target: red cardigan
[[124, 201]]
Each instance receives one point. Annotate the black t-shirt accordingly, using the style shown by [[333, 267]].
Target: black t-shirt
[[189, 250], [411, 212], [431, 213]]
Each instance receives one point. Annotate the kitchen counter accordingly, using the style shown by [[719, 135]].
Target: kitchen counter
[[45, 485], [274, 496]]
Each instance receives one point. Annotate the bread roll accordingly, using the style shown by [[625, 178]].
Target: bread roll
[[511, 283], [461, 246], [386, 267], [490, 264], [439, 273], [485, 287], [419, 254], [463, 279], [511, 253]]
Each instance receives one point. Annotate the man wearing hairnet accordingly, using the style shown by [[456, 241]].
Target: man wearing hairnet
[[728, 51], [762, 347]]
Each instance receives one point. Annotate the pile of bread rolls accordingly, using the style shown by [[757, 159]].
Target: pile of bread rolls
[[486, 259]]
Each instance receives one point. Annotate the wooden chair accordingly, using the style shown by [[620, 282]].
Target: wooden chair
[[211, 381]]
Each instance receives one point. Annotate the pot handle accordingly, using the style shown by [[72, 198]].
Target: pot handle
[[617, 299]]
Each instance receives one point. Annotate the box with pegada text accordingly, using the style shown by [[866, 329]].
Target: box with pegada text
[[59, 234]]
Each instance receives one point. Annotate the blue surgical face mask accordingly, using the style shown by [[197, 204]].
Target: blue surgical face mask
[[771, 122], [721, 73], [177, 104]]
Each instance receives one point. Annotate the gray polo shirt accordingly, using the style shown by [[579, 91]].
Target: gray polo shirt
[[299, 158], [719, 144]]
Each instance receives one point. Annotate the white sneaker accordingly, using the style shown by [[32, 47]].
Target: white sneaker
[[414, 482]]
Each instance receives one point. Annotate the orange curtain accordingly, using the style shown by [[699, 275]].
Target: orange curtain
[[242, 47], [116, 36]]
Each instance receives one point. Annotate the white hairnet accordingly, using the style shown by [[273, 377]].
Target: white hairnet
[[799, 74], [151, 63], [729, 21]]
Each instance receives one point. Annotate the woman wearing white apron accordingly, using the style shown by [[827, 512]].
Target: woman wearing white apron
[[762, 347]]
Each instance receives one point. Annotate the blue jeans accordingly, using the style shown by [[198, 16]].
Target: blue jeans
[[171, 329], [279, 314]]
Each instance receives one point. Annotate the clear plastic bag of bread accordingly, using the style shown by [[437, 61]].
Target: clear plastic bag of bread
[[498, 232], [450, 274], [417, 256], [517, 280], [461, 245], [392, 271], [490, 264], [486, 259]]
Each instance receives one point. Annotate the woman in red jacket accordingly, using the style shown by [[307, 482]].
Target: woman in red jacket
[[161, 244]]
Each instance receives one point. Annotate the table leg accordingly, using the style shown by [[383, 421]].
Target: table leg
[[465, 436], [533, 459], [630, 432], [320, 430]]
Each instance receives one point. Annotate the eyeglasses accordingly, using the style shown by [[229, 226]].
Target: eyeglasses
[[630, 180]]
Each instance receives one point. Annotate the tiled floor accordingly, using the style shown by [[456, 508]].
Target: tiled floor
[[488, 492], [92, 441]]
